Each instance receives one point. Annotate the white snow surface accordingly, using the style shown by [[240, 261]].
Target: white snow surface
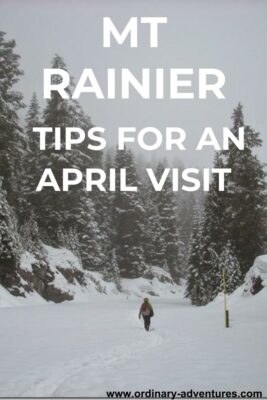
[[85, 349], [90, 347]]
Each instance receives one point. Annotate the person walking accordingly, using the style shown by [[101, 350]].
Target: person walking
[[146, 311]]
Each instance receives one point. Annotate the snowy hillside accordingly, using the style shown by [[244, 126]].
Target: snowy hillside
[[68, 281]]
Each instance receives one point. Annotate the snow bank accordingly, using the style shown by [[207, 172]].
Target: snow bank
[[250, 297], [61, 258], [8, 300], [57, 275], [256, 278], [141, 287], [26, 261]]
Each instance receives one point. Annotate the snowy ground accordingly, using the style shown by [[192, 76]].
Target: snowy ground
[[85, 349]]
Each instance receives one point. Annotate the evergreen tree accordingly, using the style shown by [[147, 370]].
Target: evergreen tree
[[103, 205], [69, 238], [53, 206], [10, 245], [185, 204], [154, 244], [235, 215], [30, 236], [229, 263], [128, 220], [246, 200], [167, 210], [214, 233], [60, 213], [196, 282], [112, 271], [33, 119], [105, 216], [90, 242], [31, 163], [12, 142], [56, 208], [215, 210]]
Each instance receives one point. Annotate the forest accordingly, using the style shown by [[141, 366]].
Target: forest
[[122, 234]]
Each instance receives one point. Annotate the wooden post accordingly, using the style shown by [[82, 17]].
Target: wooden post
[[226, 311], [227, 319]]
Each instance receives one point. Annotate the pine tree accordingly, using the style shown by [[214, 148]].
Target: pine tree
[[196, 280], [229, 263], [53, 206], [128, 220], [10, 245], [185, 204], [30, 236], [167, 210], [83, 219], [154, 244], [31, 164], [33, 119], [235, 215], [103, 205], [73, 211], [246, 200], [112, 271], [214, 233], [105, 211], [55, 209], [12, 148], [12, 142], [215, 210], [69, 238]]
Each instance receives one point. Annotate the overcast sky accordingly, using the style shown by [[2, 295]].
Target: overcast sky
[[228, 35]]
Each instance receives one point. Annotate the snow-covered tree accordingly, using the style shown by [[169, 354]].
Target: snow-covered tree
[[167, 209], [246, 198], [112, 271], [69, 238], [128, 220], [154, 244], [229, 263], [31, 164], [196, 280], [10, 245], [57, 209], [185, 216], [33, 119], [29, 232], [53, 206], [12, 142], [90, 244], [236, 215], [103, 205], [214, 233]]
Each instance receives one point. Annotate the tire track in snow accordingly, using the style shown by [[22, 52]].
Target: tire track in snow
[[57, 381]]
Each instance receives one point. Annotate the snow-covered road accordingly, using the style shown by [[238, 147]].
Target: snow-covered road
[[85, 349]]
